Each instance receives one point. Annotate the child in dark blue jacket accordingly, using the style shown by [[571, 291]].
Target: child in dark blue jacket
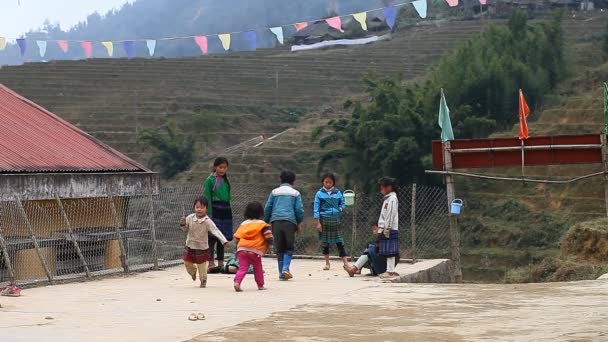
[[328, 205], [285, 212]]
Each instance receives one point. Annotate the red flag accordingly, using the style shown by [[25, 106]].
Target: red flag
[[524, 111]]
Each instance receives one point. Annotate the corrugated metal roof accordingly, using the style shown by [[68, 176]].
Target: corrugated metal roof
[[33, 139]]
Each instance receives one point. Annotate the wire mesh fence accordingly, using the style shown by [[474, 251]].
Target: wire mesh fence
[[79, 238]]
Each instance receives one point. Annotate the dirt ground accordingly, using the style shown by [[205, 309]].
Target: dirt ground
[[315, 306]]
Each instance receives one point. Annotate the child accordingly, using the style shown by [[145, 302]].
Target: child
[[370, 259], [388, 225], [253, 238], [217, 190], [328, 205], [199, 226], [285, 212]]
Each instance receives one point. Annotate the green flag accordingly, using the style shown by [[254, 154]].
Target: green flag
[[444, 120], [605, 108]]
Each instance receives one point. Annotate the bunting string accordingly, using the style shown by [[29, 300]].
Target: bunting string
[[128, 45]]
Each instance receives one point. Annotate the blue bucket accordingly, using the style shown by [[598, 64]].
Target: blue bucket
[[456, 207]]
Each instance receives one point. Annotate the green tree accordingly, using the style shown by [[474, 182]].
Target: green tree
[[392, 133], [174, 152]]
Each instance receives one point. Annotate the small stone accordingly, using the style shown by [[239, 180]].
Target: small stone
[[158, 299], [310, 275], [48, 318]]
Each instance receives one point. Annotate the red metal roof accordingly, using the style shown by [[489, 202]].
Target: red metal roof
[[33, 139]]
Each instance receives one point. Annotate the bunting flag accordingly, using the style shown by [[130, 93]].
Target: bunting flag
[[225, 39], [278, 31], [109, 48], [420, 6], [63, 45], [483, 2], [22, 46], [390, 15], [524, 111], [335, 22], [41, 47], [129, 46], [361, 18], [444, 120], [252, 39], [201, 41], [300, 26], [605, 108], [151, 46], [87, 46]]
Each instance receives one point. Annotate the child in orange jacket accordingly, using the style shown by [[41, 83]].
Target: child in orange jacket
[[253, 238]]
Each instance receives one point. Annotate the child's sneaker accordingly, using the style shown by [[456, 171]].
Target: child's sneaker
[[11, 291], [287, 274]]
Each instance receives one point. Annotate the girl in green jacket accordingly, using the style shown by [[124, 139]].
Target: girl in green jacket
[[217, 190]]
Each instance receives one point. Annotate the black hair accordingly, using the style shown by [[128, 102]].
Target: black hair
[[389, 181], [219, 161], [254, 211], [288, 177], [202, 200], [330, 176]]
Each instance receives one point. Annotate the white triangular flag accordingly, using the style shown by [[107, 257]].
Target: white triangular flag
[[42, 47], [151, 46], [420, 6], [278, 31]]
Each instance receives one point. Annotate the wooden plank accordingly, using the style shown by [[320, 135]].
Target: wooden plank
[[504, 152]]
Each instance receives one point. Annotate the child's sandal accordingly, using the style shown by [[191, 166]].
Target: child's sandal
[[192, 317], [203, 284], [326, 268], [200, 316]]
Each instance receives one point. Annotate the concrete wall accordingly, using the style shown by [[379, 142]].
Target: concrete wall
[[45, 186]]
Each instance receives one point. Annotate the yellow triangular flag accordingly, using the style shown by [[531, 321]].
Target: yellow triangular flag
[[225, 38], [110, 47], [361, 18], [2, 43]]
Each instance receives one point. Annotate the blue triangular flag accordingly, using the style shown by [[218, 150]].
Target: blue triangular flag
[[278, 31], [22, 46], [390, 15], [42, 47], [130, 48], [252, 39]]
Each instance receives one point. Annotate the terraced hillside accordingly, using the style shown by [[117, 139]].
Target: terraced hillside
[[578, 113], [112, 99]]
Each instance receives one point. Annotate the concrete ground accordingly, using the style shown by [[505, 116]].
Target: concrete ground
[[314, 306]]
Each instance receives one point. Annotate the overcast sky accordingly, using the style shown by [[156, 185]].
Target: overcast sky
[[16, 19]]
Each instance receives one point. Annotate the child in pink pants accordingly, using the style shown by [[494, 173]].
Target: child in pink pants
[[253, 238]]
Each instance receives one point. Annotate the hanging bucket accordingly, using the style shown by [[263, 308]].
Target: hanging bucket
[[349, 197], [456, 207]]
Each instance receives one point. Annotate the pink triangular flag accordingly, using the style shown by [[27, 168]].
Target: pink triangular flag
[[63, 44], [483, 2], [452, 3], [201, 41], [87, 46], [301, 26], [335, 22]]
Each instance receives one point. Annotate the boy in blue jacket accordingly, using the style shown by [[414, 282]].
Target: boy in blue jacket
[[285, 212]]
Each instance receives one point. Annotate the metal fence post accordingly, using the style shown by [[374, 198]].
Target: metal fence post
[[7, 258], [34, 240], [121, 243], [153, 226], [354, 234], [72, 237], [413, 223]]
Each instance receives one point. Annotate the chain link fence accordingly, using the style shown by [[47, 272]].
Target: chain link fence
[[61, 239]]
